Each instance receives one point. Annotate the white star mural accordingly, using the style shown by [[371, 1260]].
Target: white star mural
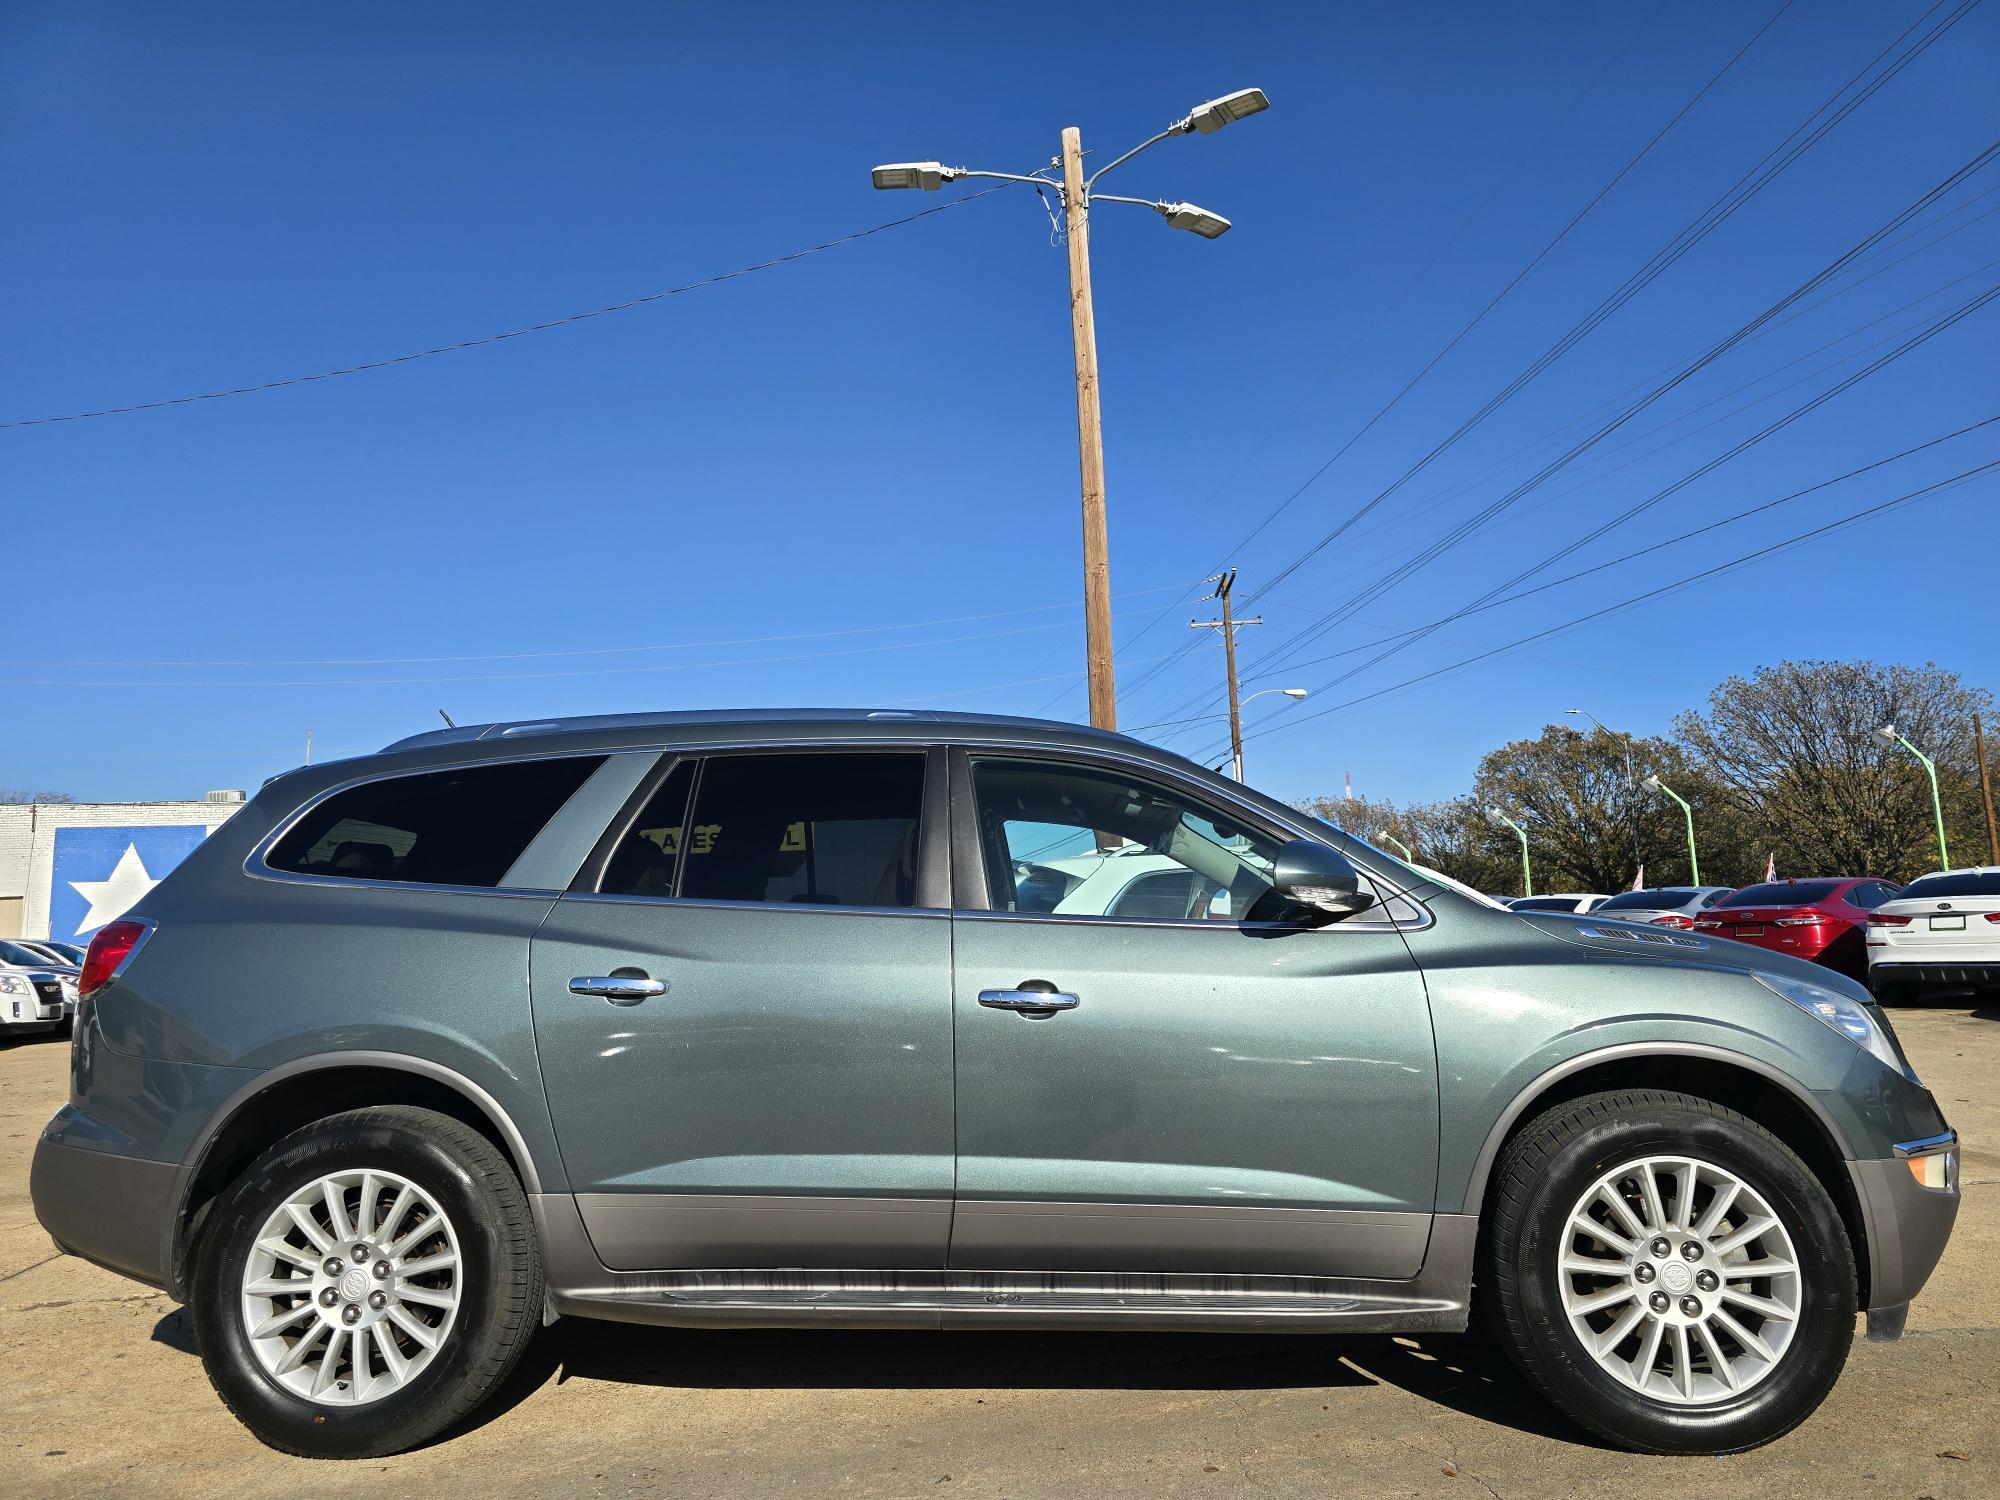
[[114, 895]]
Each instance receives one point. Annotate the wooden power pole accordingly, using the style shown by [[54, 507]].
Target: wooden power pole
[[1986, 791], [1089, 438], [1229, 625]]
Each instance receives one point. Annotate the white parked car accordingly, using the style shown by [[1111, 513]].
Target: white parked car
[[1941, 932], [1570, 901], [33, 996]]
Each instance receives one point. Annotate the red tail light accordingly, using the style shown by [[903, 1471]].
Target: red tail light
[[1879, 919], [1802, 919], [1993, 916], [1673, 919], [115, 942]]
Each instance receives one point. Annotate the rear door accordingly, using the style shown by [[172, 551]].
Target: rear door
[[744, 1016], [1219, 1092]]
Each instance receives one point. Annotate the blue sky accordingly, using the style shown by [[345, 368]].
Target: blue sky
[[852, 480]]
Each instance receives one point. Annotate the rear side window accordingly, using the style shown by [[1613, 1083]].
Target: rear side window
[[1956, 883], [1783, 893], [463, 827], [814, 830]]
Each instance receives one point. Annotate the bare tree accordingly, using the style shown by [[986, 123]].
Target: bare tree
[[13, 796], [1793, 749]]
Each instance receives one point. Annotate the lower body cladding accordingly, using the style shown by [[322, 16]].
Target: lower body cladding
[[1894, 978], [1435, 1299], [1906, 1225]]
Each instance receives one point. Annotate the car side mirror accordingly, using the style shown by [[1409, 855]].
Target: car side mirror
[[1321, 878]]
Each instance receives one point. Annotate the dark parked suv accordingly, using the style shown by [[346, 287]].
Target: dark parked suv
[[787, 1018]]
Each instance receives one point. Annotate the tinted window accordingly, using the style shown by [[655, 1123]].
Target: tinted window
[[1123, 848], [21, 958], [462, 827], [1661, 900], [643, 864], [1872, 893], [825, 830], [1783, 893], [1953, 883], [1544, 903]]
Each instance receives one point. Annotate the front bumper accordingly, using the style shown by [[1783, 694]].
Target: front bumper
[[1907, 1223], [111, 1210]]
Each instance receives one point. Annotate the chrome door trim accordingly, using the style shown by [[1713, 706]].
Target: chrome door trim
[[806, 908], [1028, 1000]]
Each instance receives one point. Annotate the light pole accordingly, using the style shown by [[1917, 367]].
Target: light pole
[[1694, 862], [1236, 750], [1387, 837], [1631, 779], [1888, 736], [1074, 192], [1527, 874]]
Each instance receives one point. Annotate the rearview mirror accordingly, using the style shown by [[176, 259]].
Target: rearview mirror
[[1321, 878]]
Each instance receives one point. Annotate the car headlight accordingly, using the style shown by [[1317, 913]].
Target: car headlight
[[1852, 1018], [13, 984]]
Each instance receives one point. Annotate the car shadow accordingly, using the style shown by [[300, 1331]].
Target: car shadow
[[1462, 1372]]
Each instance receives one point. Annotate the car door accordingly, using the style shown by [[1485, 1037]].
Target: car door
[[743, 1015], [1212, 1088]]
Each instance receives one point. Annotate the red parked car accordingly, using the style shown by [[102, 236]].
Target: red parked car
[[1823, 920]]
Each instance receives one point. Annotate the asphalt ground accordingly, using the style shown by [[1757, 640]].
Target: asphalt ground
[[103, 1394]]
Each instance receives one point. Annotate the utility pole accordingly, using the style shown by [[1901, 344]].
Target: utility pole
[[1089, 440], [1229, 625], [1986, 791], [1076, 194]]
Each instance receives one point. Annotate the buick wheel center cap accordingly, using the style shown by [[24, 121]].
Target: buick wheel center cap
[[1674, 1276], [353, 1286]]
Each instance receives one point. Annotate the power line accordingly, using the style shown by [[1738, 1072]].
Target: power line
[[1716, 351], [1705, 223], [1293, 721], [1786, 152], [1916, 340], [512, 333]]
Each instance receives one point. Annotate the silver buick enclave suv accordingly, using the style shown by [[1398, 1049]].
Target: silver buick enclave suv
[[902, 1020]]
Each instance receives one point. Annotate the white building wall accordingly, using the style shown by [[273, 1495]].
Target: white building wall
[[50, 817]]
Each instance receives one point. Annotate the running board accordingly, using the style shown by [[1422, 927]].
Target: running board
[[948, 1307]]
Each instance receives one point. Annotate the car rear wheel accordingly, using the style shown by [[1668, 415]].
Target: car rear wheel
[[1668, 1272], [367, 1283]]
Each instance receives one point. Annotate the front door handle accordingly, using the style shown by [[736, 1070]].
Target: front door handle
[[625, 987], [1034, 996]]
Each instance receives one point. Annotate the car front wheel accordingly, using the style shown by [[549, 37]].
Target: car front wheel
[[1668, 1272], [366, 1283]]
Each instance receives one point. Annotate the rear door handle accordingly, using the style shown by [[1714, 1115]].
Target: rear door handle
[[1030, 995], [626, 987]]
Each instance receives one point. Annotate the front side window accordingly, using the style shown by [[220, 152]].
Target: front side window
[[1081, 841], [805, 829], [464, 827]]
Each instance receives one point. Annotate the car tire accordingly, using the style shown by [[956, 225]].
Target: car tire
[[421, 1327], [1703, 1384]]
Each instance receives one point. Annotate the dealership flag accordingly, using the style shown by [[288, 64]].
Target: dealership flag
[[1639, 880], [1771, 869]]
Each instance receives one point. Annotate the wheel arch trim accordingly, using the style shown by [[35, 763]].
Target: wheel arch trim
[[218, 1123], [1538, 1087]]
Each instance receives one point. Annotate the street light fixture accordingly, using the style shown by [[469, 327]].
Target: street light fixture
[[1887, 735], [1694, 861], [1212, 116], [1631, 780], [1527, 874], [1075, 195]]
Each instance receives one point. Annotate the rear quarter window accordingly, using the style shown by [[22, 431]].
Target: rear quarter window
[[462, 827]]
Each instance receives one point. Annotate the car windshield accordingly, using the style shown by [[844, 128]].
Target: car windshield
[[1661, 900], [1784, 893], [22, 958], [1952, 883]]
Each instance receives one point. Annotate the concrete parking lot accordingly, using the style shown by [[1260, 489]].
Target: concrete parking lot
[[104, 1395]]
